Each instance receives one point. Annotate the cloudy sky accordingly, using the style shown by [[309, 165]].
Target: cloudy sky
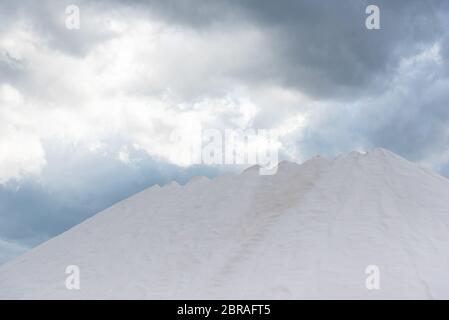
[[86, 114]]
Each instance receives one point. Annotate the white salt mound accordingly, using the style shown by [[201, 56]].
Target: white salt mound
[[310, 231]]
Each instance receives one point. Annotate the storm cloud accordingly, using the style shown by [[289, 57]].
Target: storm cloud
[[86, 115]]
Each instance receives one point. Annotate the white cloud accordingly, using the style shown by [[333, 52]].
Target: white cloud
[[123, 156], [142, 84], [21, 152]]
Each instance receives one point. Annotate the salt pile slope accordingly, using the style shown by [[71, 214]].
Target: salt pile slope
[[309, 231]]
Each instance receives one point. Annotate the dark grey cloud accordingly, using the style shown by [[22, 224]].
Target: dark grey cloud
[[410, 118], [328, 52], [320, 47]]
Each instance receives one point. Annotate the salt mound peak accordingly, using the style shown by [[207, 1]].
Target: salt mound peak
[[385, 153], [290, 165], [283, 164], [252, 168], [197, 179], [172, 185]]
